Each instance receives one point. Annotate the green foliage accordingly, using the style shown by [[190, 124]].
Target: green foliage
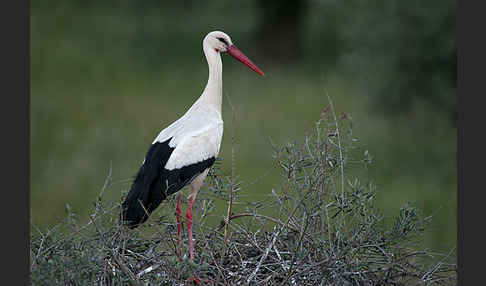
[[321, 227]]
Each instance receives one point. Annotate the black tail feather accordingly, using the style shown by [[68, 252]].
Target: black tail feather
[[141, 201], [147, 192]]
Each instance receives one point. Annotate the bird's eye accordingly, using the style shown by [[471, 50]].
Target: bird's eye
[[223, 41]]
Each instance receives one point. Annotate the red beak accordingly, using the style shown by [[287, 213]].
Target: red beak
[[237, 54]]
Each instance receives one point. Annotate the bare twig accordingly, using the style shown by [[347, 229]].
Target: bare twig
[[233, 167], [265, 254]]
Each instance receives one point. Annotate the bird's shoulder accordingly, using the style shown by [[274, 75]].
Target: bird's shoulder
[[195, 124], [195, 145]]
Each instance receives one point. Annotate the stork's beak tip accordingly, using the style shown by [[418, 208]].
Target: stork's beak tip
[[237, 54]]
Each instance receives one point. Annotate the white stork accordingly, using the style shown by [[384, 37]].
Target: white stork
[[183, 152]]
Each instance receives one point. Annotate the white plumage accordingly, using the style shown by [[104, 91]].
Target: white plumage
[[196, 136]]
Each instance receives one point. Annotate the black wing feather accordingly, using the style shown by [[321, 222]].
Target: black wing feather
[[154, 183]]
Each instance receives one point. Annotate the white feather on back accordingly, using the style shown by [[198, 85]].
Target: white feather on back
[[196, 136]]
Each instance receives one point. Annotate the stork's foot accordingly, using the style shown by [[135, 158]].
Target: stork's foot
[[193, 279]]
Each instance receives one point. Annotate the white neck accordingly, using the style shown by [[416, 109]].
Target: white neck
[[212, 93]]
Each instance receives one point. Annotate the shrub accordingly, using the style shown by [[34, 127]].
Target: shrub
[[320, 228]]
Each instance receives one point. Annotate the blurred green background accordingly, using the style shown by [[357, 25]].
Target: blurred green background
[[107, 76]]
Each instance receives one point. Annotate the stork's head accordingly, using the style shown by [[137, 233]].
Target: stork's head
[[221, 43], [218, 41]]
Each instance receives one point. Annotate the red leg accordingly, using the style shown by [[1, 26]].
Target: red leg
[[179, 227], [193, 279], [189, 227]]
